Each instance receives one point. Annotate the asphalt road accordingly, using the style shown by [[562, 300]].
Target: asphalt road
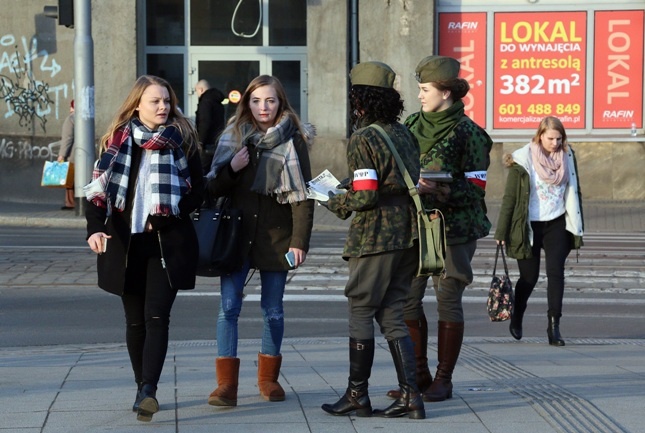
[[48, 294]]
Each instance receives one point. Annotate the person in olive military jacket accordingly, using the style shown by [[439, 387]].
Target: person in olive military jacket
[[262, 164], [380, 245], [147, 182], [541, 209], [451, 142]]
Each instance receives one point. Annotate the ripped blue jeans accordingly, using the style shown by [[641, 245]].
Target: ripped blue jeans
[[232, 290]]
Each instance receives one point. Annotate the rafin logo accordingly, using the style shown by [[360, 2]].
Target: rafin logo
[[467, 25]]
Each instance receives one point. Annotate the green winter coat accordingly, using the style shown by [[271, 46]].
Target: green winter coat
[[513, 226]]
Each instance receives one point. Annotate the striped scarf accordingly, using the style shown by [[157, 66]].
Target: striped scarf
[[169, 175]]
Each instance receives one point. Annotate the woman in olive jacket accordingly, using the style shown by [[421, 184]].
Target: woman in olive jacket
[[147, 182], [541, 209], [262, 164]]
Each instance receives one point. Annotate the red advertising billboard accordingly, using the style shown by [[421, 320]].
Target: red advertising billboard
[[539, 68], [618, 69], [463, 36]]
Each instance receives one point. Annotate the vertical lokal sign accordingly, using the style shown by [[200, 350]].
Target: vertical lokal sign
[[618, 69], [463, 36]]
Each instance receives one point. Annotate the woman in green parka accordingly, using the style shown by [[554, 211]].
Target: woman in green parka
[[541, 209]]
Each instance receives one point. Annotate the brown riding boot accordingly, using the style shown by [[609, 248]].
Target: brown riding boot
[[450, 337], [227, 371], [268, 372], [419, 334]]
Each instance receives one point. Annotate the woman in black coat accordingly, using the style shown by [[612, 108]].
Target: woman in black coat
[[146, 184]]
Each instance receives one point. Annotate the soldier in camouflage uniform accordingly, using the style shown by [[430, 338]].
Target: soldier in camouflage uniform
[[452, 142], [380, 245]]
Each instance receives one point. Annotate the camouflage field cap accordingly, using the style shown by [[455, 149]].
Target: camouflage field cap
[[436, 68], [375, 74]]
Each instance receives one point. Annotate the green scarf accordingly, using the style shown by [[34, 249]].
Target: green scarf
[[430, 128]]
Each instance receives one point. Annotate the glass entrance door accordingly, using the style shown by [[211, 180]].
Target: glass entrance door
[[229, 73]]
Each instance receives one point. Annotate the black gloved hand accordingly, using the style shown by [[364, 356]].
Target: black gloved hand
[[344, 184], [325, 203]]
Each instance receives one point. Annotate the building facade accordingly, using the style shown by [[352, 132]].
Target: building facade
[[523, 58]]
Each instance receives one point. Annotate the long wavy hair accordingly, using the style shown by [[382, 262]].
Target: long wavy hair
[[369, 104], [128, 110], [551, 122], [244, 115]]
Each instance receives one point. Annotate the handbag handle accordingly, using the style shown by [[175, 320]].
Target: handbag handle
[[412, 189], [500, 248]]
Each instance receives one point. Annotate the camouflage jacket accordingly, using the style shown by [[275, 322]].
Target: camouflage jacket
[[464, 152], [384, 214]]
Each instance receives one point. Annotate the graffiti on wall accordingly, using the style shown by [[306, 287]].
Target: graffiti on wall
[[27, 98], [23, 149]]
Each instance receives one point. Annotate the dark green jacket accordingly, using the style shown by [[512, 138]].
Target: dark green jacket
[[513, 226], [384, 219], [463, 152]]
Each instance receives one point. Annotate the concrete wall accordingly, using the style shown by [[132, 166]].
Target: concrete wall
[[328, 83]]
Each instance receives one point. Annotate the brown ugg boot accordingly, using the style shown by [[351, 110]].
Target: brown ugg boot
[[227, 371], [268, 372]]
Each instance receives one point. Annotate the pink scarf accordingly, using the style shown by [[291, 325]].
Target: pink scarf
[[552, 168]]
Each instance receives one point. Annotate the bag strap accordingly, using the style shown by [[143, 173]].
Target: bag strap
[[412, 188], [500, 248]]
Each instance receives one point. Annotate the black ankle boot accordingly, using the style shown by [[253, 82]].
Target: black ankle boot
[[553, 331], [137, 398], [516, 324], [148, 405], [356, 399], [409, 402]]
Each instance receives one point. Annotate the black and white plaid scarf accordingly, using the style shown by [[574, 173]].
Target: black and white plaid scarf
[[169, 174]]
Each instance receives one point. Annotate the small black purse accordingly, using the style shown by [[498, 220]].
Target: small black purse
[[219, 235]]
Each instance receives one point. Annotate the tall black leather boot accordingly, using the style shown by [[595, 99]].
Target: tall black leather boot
[[409, 402], [553, 331], [419, 334], [361, 358]]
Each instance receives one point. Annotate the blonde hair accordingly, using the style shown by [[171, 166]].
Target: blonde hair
[[551, 122], [175, 117], [244, 115]]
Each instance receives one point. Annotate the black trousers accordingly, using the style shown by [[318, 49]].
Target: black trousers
[[553, 237], [147, 301]]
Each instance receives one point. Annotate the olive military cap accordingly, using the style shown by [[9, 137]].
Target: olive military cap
[[436, 68], [375, 74]]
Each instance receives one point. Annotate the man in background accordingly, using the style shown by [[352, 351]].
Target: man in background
[[209, 120]]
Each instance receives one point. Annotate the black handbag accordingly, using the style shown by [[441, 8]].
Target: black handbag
[[500, 295], [219, 235]]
